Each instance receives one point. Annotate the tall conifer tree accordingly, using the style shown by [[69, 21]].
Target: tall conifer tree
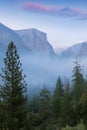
[[58, 94], [66, 113], [78, 81], [77, 91], [44, 99], [13, 89]]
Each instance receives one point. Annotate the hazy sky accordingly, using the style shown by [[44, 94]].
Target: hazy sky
[[64, 21]]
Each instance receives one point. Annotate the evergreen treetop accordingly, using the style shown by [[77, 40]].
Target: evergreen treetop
[[13, 89]]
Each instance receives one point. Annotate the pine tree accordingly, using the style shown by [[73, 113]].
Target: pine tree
[[44, 103], [77, 91], [13, 89], [58, 94], [44, 107], [78, 81], [83, 102], [59, 88], [66, 113], [3, 115]]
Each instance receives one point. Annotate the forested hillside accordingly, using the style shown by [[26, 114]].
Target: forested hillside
[[63, 109]]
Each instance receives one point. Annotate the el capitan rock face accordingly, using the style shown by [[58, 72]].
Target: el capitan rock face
[[27, 41], [36, 41]]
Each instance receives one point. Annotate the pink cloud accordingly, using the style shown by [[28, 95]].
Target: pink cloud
[[76, 10], [60, 11], [30, 6]]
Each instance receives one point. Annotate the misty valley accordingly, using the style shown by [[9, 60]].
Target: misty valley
[[41, 89], [41, 64]]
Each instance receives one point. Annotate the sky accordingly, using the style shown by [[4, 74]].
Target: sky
[[64, 21]]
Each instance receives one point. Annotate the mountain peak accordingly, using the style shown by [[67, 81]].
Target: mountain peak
[[31, 40], [36, 40], [77, 50], [32, 32]]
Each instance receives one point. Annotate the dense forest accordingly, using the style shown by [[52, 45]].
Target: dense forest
[[64, 109]]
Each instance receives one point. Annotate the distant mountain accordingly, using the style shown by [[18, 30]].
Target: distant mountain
[[27, 41], [76, 51], [6, 36], [36, 41]]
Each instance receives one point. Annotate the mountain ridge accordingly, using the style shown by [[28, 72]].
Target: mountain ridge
[[30, 40], [36, 40], [78, 50]]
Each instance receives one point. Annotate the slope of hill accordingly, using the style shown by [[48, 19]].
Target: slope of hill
[[76, 51]]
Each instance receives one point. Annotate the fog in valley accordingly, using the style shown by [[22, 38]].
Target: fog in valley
[[43, 71]]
